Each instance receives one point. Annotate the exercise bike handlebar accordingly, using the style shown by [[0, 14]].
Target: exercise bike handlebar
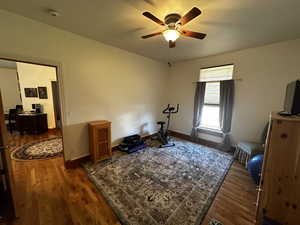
[[171, 109]]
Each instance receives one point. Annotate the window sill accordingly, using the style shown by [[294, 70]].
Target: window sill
[[214, 132]]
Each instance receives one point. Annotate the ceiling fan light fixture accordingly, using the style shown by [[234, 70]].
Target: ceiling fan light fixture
[[171, 35], [173, 23]]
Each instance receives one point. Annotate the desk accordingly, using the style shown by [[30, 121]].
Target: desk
[[34, 123]]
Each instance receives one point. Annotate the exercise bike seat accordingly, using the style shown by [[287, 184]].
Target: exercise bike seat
[[161, 122]]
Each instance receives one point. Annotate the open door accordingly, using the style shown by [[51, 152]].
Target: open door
[[7, 196], [56, 103]]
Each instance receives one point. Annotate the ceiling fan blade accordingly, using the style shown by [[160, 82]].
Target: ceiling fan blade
[[193, 34], [172, 44], [194, 12], [153, 18], [151, 35]]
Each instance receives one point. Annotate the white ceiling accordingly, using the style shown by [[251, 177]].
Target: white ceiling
[[230, 24], [8, 64]]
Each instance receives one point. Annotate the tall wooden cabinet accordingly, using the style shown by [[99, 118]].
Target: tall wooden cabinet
[[279, 192], [100, 140]]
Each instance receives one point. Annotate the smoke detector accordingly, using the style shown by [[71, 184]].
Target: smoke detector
[[53, 12]]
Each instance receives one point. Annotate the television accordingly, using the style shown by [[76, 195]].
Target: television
[[292, 98]]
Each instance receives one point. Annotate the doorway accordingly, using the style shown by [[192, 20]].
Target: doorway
[[31, 126]]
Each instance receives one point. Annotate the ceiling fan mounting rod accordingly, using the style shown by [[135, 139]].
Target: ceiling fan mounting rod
[[172, 18]]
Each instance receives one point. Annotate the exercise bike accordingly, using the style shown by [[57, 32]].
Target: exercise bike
[[163, 133]]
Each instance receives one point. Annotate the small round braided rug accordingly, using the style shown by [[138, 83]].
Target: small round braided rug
[[42, 149]]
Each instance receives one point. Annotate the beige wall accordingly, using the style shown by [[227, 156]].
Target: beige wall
[[100, 81], [265, 72], [103, 82], [9, 88], [34, 76]]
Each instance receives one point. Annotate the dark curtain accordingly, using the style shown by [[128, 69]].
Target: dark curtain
[[226, 108], [198, 106]]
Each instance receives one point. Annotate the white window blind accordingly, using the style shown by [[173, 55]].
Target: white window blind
[[212, 93], [216, 73]]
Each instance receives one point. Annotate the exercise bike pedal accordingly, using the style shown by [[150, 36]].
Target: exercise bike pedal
[[167, 145]]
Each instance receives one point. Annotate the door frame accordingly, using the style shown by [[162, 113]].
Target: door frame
[[7, 168], [59, 78], [55, 97]]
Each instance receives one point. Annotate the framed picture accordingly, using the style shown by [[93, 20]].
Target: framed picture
[[30, 92], [43, 92]]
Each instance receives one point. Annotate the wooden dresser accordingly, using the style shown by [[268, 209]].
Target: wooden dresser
[[279, 192], [100, 140]]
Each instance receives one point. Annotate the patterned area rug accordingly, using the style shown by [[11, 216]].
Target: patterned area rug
[[43, 149], [169, 186]]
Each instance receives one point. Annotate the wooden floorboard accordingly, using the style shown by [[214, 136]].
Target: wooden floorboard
[[48, 194]]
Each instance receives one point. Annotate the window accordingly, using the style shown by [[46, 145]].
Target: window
[[210, 112]]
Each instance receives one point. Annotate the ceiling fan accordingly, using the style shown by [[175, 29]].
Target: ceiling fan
[[173, 23]]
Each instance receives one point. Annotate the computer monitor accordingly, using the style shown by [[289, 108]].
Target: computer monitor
[[37, 108], [19, 108]]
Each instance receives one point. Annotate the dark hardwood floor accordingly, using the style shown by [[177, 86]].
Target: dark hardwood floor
[[48, 194]]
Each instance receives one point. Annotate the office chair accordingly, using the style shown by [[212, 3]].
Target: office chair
[[12, 120]]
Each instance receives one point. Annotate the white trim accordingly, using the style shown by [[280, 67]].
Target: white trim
[[210, 129], [78, 157]]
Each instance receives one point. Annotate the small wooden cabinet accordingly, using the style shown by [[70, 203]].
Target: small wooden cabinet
[[100, 140]]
